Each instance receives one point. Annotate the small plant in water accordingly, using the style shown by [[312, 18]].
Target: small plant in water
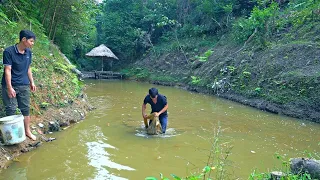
[[216, 164], [205, 171]]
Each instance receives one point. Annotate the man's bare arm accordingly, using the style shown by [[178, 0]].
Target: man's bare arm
[[30, 76], [7, 72]]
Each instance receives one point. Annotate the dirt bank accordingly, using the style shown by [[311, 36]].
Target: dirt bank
[[281, 77], [259, 103], [53, 119]]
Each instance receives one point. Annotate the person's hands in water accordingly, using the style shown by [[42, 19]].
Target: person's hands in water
[[145, 121]]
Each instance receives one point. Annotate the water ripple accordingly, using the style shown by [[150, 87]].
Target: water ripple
[[99, 158]]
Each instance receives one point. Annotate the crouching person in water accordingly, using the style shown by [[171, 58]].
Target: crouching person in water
[[17, 80], [159, 106]]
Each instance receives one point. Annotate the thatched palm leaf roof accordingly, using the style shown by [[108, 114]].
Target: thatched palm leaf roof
[[101, 51]]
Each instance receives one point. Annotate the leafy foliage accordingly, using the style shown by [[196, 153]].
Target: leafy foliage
[[259, 19], [205, 56], [268, 19], [69, 24], [131, 28], [56, 83]]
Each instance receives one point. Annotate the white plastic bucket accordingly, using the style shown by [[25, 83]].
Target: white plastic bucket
[[12, 129]]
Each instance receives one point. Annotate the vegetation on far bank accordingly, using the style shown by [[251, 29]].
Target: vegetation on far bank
[[272, 55]]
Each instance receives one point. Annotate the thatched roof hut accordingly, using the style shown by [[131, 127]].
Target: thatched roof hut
[[104, 52]]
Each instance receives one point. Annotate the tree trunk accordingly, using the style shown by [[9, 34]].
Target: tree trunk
[[182, 10], [46, 12], [277, 175], [53, 17], [101, 63], [55, 29]]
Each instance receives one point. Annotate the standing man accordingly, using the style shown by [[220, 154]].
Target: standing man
[[159, 105], [17, 77]]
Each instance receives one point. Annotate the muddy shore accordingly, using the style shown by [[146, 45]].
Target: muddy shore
[[287, 110], [53, 119]]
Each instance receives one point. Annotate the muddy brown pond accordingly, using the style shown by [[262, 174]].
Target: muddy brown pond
[[112, 144]]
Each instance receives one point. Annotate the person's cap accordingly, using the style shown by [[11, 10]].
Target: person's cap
[[153, 92]]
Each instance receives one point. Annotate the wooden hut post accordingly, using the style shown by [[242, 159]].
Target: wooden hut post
[[102, 63]]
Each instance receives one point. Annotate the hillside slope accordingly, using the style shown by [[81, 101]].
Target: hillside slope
[[57, 85], [58, 101], [282, 77]]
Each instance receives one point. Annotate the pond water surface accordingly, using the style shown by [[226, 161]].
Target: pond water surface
[[111, 142]]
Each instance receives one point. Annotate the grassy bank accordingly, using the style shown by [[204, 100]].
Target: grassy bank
[[57, 85], [58, 98], [280, 74]]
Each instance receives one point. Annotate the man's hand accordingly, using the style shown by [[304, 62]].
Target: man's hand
[[145, 120], [157, 114], [33, 87], [11, 93]]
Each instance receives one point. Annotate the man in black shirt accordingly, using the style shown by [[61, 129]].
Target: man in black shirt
[[17, 80], [159, 106]]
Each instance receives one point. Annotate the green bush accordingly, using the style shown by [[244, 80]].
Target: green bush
[[258, 20], [205, 56]]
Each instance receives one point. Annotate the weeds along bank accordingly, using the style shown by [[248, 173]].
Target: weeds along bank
[[269, 61], [283, 78]]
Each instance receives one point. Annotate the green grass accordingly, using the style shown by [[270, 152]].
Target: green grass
[[55, 82]]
